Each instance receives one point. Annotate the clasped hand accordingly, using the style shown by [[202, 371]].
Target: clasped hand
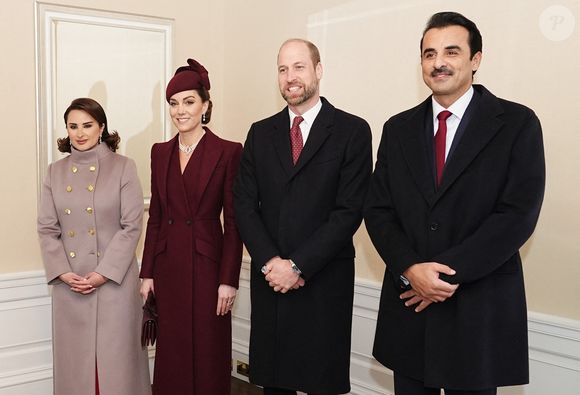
[[280, 276], [426, 285], [83, 285]]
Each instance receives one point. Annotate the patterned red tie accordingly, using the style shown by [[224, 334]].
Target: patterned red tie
[[440, 137], [296, 138]]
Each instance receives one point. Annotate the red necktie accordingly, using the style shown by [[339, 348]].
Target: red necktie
[[296, 138], [440, 137]]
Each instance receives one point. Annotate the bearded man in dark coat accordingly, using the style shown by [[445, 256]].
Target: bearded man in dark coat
[[298, 201]]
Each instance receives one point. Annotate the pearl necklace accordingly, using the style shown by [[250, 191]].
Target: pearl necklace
[[186, 149]]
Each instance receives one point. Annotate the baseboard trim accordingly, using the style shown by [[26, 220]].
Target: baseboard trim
[[26, 376], [26, 358]]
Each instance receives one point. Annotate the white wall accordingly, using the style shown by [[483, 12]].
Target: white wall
[[370, 55]]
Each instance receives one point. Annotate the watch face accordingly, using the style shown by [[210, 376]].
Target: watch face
[[404, 283], [295, 268]]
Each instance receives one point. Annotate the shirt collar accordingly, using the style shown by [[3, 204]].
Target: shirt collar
[[457, 108], [309, 116]]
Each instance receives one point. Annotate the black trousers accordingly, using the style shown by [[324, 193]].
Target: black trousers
[[279, 391], [408, 386]]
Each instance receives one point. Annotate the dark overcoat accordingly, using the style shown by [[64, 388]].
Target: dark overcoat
[[188, 254], [485, 209], [307, 213]]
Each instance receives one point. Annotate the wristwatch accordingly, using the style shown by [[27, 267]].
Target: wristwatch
[[404, 283], [294, 267]]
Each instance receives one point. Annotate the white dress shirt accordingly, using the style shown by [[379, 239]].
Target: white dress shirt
[[457, 110], [309, 117]]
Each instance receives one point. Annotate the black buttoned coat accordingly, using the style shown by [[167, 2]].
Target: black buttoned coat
[[476, 221], [308, 213]]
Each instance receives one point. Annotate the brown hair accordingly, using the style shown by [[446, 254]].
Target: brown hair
[[95, 110], [204, 94]]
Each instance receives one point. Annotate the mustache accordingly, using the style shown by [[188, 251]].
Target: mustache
[[442, 70]]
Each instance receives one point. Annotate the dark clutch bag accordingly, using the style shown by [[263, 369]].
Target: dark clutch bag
[[149, 327]]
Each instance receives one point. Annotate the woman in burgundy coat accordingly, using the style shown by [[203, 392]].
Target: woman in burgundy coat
[[190, 261]]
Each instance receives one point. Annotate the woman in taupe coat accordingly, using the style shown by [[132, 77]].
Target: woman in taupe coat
[[89, 223]]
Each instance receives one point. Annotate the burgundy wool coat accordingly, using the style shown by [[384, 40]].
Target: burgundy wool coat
[[189, 253]]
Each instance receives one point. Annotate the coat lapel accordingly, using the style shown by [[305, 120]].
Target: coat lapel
[[483, 126], [281, 141], [212, 155], [415, 146], [319, 132], [165, 150]]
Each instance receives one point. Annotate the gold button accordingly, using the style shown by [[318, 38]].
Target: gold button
[[71, 233], [69, 188], [98, 253], [89, 210], [92, 231], [92, 168], [74, 169], [90, 188], [72, 254], [67, 211]]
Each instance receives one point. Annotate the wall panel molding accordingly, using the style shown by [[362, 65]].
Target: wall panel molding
[[554, 346], [109, 71], [26, 357]]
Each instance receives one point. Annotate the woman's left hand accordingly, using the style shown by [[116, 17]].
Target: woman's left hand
[[95, 280], [226, 297]]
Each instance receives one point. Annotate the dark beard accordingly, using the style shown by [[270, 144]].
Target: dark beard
[[309, 92]]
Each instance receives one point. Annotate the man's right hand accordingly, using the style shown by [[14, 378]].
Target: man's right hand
[[280, 276], [424, 278]]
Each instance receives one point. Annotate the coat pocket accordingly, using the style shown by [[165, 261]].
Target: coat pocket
[[206, 249]]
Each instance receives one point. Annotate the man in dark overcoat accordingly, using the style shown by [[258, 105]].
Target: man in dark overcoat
[[298, 201], [448, 213]]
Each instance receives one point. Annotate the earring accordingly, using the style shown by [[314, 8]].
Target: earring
[[203, 118]]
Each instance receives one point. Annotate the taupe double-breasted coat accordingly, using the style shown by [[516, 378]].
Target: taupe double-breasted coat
[[90, 219]]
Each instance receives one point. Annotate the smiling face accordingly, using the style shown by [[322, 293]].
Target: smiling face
[[298, 76], [83, 130], [186, 109], [446, 63]]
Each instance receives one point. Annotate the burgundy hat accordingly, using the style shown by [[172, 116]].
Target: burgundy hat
[[186, 78]]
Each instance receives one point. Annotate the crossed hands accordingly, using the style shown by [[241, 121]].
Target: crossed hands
[[83, 285], [426, 285], [280, 276]]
